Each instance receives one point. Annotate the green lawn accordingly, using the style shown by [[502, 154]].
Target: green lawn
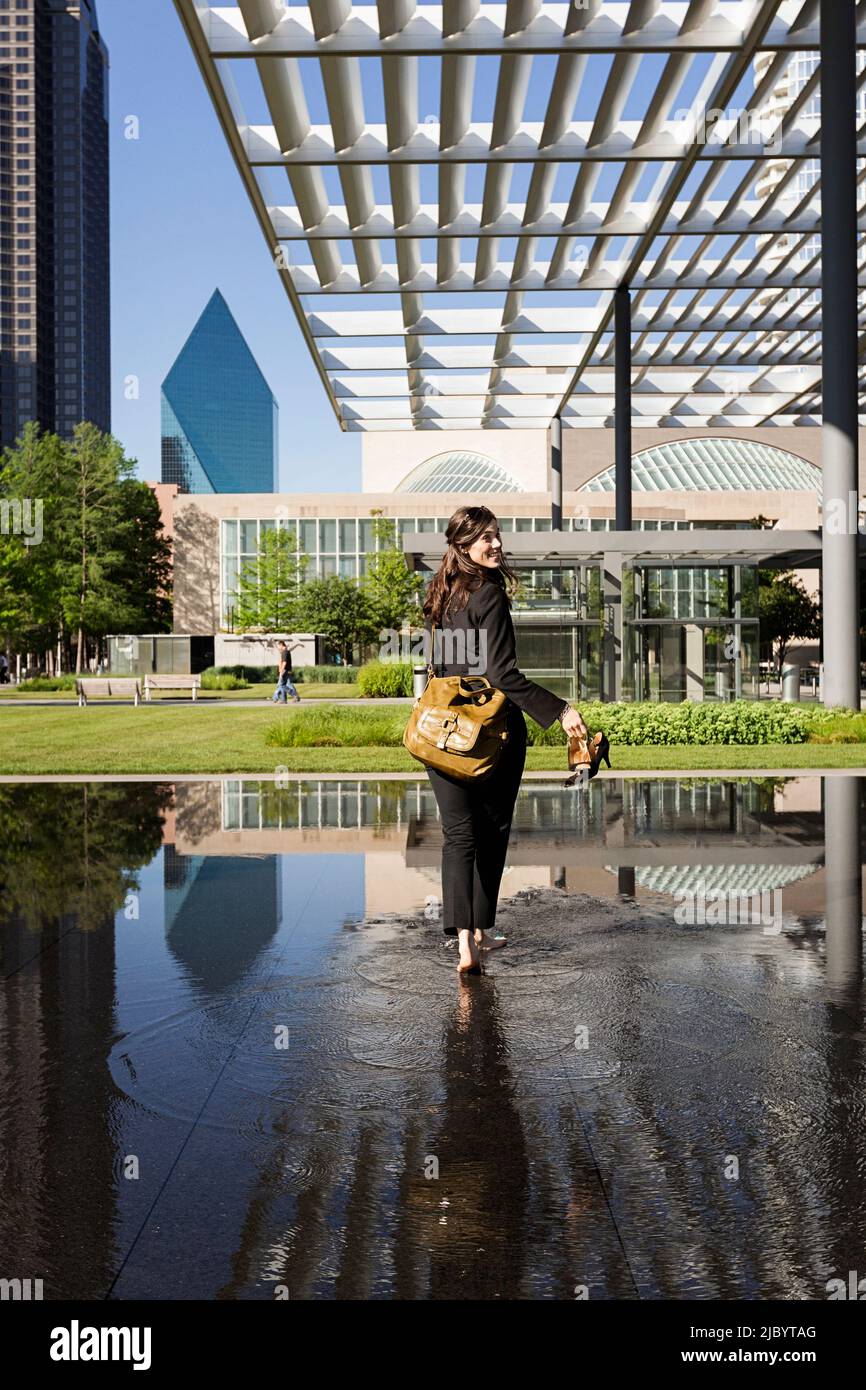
[[211, 739]]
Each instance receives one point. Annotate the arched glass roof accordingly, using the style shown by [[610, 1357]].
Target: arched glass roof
[[714, 465], [458, 471], [733, 879]]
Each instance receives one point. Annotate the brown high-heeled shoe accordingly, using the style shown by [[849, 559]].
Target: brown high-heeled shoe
[[585, 757]]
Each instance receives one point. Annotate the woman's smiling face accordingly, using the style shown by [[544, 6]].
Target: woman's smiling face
[[487, 549]]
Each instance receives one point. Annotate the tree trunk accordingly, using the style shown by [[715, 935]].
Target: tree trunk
[[83, 591]]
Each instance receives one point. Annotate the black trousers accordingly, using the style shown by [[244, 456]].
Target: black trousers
[[476, 823]]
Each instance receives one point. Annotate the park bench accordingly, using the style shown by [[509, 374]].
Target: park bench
[[100, 688], [192, 683]]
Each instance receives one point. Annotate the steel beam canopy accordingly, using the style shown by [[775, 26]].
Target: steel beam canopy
[[453, 194]]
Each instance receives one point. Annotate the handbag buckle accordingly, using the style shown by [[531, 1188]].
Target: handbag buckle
[[449, 724]]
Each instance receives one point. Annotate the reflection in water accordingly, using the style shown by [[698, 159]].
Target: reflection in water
[[328, 1110], [72, 852], [844, 858], [68, 861], [473, 1214], [241, 896]]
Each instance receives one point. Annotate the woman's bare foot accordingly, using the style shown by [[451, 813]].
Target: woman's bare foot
[[469, 963], [489, 943]]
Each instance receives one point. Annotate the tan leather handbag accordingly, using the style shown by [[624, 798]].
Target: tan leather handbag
[[458, 725]]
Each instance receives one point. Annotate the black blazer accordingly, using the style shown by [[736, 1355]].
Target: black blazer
[[488, 609]]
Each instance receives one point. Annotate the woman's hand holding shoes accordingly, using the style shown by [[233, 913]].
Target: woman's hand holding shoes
[[573, 724]]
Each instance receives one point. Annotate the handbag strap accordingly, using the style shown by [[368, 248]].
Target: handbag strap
[[431, 668], [483, 686]]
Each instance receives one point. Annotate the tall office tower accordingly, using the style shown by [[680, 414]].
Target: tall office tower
[[795, 186], [219, 416], [54, 234]]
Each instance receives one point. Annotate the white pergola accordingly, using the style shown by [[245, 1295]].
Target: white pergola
[[537, 216], [453, 193]]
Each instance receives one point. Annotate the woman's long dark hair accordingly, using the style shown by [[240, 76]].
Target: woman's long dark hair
[[458, 577]]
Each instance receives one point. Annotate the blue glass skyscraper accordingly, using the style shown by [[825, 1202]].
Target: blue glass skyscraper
[[219, 416]]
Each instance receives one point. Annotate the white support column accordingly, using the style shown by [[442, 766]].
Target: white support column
[[840, 540]]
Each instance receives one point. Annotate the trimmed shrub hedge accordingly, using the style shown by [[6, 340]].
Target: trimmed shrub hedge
[[224, 681], [838, 726], [383, 678], [253, 675], [267, 675], [50, 682], [327, 675], [739, 723]]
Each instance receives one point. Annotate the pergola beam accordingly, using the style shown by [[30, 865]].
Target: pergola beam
[[287, 225], [429, 144], [487, 33], [548, 196]]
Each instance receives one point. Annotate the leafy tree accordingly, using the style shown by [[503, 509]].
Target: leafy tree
[[393, 590], [15, 608], [76, 854], [269, 587], [102, 563], [139, 575], [786, 612], [29, 572], [94, 464], [339, 610], [785, 609]]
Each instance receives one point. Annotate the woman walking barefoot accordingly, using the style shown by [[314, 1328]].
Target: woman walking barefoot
[[468, 595]]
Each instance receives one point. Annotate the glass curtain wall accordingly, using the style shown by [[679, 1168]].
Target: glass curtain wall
[[559, 628], [691, 632], [338, 545]]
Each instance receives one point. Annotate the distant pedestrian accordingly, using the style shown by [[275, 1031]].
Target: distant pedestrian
[[285, 686], [4, 669]]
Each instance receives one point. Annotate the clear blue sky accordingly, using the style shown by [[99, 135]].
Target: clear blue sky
[[181, 225]]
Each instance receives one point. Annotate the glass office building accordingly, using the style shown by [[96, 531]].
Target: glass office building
[[219, 416], [54, 218], [688, 630]]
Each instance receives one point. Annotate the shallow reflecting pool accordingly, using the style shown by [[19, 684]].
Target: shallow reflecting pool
[[237, 1062]]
